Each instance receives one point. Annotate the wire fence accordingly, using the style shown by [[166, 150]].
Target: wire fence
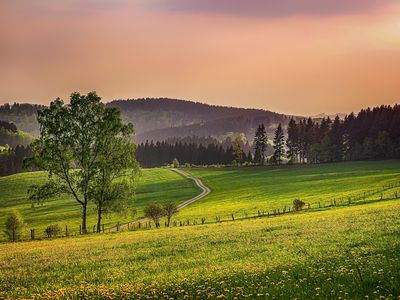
[[365, 196]]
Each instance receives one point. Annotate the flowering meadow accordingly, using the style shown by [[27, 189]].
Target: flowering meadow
[[337, 253]]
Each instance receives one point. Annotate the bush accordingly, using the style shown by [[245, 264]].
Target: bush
[[298, 204], [13, 226], [53, 231], [154, 212], [175, 163]]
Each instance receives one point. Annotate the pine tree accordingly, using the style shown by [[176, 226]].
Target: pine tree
[[279, 145], [292, 141], [260, 145]]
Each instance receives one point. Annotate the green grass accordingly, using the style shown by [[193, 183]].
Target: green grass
[[155, 185], [247, 190], [339, 253]]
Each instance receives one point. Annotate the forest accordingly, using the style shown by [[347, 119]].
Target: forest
[[371, 134]]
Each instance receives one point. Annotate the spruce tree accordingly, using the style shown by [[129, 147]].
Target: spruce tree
[[279, 145], [292, 141], [260, 145]]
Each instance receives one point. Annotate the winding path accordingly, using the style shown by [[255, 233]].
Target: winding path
[[205, 190]]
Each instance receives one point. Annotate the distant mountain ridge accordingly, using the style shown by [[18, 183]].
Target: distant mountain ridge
[[164, 118]]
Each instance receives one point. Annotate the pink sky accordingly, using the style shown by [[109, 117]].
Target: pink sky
[[298, 57]]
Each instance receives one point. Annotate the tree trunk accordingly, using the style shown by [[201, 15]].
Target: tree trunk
[[84, 206], [99, 219]]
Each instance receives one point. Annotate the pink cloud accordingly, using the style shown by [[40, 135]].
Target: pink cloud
[[272, 8]]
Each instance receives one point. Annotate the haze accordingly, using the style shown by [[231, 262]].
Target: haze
[[297, 57]]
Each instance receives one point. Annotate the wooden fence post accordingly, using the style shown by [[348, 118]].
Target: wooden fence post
[[32, 234]]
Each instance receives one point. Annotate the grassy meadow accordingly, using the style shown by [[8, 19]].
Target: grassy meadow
[[343, 252], [337, 253], [246, 190], [154, 185]]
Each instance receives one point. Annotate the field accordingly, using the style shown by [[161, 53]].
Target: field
[[329, 252], [155, 185], [342, 253], [245, 191]]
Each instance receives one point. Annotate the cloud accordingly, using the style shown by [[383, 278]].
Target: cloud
[[272, 8]]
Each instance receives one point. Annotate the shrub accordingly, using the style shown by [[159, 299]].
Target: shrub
[[170, 208], [53, 231], [13, 226], [175, 163], [298, 204], [154, 212]]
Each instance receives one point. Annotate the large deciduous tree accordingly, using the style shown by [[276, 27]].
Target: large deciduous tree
[[84, 146]]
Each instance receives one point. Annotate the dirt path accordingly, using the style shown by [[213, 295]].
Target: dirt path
[[205, 190]]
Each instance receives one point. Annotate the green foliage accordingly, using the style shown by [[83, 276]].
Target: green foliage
[[175, 163], [279, 146], [260, 145], [155, 212], [298, 204], [237, 151], [53, 231], [170, 208], [84, 146], [13, 226]]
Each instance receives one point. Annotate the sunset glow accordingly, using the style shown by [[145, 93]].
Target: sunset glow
[[300, 57]]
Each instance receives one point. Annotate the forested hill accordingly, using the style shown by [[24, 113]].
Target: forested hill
[[163, 118]]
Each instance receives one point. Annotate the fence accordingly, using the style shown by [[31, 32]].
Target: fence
[[143, 224]]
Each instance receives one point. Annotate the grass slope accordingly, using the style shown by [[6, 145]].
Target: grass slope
[[155, 185], [247, 190], [343, 253]]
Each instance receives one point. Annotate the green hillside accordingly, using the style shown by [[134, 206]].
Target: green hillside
[[13, 139], [247, 190], [155, 185], [341, 253]]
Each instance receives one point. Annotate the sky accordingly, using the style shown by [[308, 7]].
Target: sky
[[300, 57]]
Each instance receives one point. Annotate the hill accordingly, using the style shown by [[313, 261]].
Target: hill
[[163, 118], [340, 253], [10, 135], [154, 185], [351, 249], [238, 191]]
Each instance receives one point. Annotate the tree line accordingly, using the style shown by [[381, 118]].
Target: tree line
[[157, 154], [12, 158], [372, 134]]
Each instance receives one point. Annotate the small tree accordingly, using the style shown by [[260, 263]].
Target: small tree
[[237, 151], [154, 212], [175, 163], [298, 204], [53, 230], [170, 208], [13, 226]]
